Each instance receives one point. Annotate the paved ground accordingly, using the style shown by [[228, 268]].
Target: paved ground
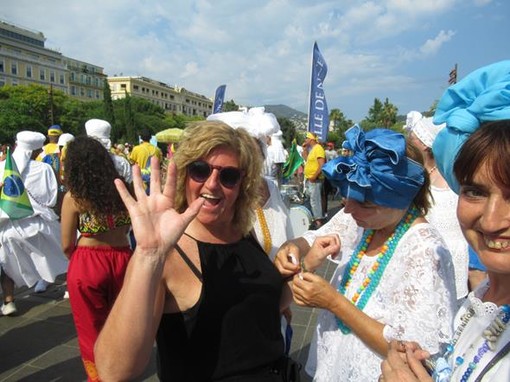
[[40, 344]]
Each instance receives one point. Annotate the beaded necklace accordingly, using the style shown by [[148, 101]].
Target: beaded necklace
[[372, 278], [268, 244], [490, 335]]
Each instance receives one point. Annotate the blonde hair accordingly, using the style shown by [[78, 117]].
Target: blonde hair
[[199, 139]]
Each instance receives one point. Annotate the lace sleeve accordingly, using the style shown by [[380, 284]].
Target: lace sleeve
[[345, 227], [421, 290]]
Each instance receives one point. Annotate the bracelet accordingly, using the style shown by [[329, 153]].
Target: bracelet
[[303, 267]]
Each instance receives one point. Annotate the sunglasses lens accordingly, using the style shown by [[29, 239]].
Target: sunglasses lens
[[230, 176], [199, 171]]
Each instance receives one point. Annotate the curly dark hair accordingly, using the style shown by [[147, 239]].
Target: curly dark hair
[[89, 172]]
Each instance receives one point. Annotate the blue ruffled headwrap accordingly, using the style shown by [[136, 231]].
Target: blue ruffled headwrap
[[379, 170], [481, 96]]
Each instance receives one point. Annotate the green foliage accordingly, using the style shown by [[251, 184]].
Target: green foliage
[[340, 125], [288, 131], [381, 115], [230, 106]]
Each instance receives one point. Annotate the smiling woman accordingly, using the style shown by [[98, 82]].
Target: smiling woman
[[198, 283], [472, 153]]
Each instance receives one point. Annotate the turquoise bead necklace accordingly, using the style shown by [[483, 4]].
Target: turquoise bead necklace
[[371, 280]]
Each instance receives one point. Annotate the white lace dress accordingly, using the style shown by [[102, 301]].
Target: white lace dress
[[443, 216], [471, 339], [414, 299]]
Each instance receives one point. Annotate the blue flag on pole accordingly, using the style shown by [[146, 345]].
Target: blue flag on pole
[[318, 114], [219, 98]]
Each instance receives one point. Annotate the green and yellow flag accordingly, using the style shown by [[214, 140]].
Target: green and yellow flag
[[293, 162], [14, 198]]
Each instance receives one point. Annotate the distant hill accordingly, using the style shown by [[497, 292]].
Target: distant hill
[[283, 111]]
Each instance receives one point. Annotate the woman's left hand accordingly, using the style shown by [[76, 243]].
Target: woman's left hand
[[312, 290], [404, 364]]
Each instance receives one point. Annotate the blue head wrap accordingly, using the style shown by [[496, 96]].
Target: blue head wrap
[[378, 171], [481, 96]]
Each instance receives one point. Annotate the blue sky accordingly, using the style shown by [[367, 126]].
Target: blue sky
[[261, 49]]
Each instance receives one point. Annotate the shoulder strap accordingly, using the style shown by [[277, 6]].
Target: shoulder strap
[[190, 264], [502, 353]]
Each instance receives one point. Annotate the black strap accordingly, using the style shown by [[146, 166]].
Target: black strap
[[500, 354], [190, 264]]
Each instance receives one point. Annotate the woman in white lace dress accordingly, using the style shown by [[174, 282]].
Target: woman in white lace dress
[[394, 278], [443, 211], [472, 153]]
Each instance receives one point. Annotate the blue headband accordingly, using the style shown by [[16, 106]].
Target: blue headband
[[379, 171], [481, 96]]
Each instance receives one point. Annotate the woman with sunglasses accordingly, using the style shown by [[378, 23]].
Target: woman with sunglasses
[[394, 278], [472, 153], [198, 283]]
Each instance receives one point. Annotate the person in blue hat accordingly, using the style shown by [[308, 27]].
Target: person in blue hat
[[472, 153], [394, 275]]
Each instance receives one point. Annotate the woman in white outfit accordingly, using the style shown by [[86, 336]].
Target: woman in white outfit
[[394, 278]]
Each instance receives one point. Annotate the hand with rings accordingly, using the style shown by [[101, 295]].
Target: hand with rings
[[403, 363]]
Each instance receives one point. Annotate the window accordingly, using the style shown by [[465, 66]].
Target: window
[[29, 71], [73, 90], [62, 79], [14, 68], [42, 74], [89, 93], [2, 66], [52, 76]]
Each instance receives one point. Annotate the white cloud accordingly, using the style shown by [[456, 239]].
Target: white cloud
[[432, 46]]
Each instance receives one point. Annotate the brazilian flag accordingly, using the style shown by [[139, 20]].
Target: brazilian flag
[[14, 198], [294, 160]]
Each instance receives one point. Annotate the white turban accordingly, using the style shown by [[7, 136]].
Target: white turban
[[26, 142], [99, 129], [256, 121], [65, 139], [412, 118]]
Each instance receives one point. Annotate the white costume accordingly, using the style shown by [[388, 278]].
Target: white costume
[[443, 211], [443, 216], [412, 299], [470, 340], [30, 248], [276, 215], [100, 130]]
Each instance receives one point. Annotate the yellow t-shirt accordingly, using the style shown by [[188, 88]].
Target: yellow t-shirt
[[142, 152], [312, 163]]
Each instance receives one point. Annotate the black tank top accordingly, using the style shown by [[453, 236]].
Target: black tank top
[[234, 328]]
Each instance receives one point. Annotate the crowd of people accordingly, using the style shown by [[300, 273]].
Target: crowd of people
[[198, 255]]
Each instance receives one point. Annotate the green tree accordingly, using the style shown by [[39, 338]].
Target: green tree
[[108, 104], [230, 106], [288, 131], [28, 108], [381, 115], [340, 125]]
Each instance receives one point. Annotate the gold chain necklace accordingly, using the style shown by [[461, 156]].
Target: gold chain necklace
[[268, 244]]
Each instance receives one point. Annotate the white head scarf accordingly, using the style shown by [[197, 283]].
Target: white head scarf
[[65, 139], [26, 142], [99, 129]]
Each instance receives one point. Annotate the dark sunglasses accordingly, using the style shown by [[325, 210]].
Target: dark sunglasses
[[200, 171]]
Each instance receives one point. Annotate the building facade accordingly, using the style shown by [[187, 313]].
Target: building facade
[[25, 60], [176, 100]]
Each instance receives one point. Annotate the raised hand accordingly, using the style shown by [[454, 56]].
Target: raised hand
[[156, 224]]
